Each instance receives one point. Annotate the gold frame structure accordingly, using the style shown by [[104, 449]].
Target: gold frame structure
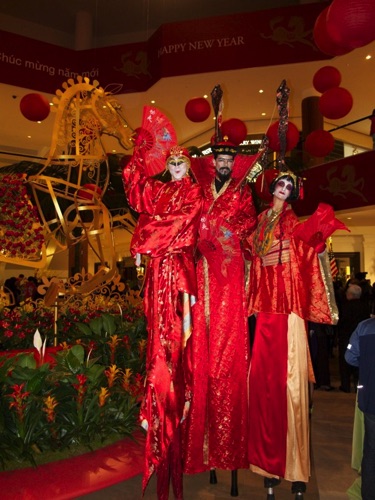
[[75, 177]]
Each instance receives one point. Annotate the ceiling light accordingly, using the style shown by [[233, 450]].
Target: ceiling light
[[368, 56], [261, 91], [29, 136], [349, 218], [205, 96], [263, 114], [152, 102]]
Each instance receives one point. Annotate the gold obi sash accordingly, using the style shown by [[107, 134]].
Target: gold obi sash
[[275, 256]]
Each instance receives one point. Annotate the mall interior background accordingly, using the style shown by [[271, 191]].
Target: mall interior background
[[93, 24]]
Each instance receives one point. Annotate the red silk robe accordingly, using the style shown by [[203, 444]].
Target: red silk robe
[[216, 426], [283, 295], [166, 231]]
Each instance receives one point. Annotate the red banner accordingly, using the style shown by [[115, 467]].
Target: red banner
[[248, 40], [344, 184]]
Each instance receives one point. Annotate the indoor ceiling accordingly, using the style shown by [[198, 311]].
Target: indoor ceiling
[[120, 21]]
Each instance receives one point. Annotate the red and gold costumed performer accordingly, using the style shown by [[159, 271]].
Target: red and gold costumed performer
[[216, 434], [166, 232], [289, 284]]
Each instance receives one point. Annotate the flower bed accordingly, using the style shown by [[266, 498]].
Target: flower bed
[[85, 389]]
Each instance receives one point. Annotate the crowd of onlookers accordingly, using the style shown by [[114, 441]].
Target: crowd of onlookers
[[21, 288], [355, 299]]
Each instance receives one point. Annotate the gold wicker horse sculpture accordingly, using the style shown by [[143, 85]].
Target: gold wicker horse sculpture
[[76, 175]]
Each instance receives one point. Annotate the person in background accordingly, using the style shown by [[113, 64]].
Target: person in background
[[352, 310], [320, 338], [31, 288], [361, 353], [166, 232]]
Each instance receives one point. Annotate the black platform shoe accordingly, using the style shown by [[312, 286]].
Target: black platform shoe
[[213, 477], [298, 489], [270, 483]]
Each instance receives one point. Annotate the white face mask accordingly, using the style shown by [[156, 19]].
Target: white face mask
[[177, 167], [283, 189]]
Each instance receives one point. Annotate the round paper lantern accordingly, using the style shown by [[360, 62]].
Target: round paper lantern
[[87, 191], [322, 39], [263, 182], [34, 107], [319, 143], [292, 136], [198, 109], [351, 24], [326, 78], [335, 103], [235, 130]]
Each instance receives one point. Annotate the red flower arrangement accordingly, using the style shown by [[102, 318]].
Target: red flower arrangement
[[21, 234]]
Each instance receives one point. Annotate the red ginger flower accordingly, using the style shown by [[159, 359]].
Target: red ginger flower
[[81, 387], [20, 400]]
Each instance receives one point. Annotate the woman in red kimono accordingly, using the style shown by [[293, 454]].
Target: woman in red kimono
[[287, 288], [166, 232]]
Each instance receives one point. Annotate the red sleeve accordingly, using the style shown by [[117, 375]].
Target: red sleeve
[[244, 221], [140, 189]]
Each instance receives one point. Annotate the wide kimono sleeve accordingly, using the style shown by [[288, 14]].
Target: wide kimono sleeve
[[244, 221], [140, 189]]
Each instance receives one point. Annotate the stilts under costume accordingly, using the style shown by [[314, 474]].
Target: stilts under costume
[[166, 232], [289, 284], [216, 434]]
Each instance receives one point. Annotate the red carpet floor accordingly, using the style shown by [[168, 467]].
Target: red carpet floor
[[67, 479]]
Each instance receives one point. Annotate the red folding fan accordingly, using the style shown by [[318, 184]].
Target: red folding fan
[[154, 139]]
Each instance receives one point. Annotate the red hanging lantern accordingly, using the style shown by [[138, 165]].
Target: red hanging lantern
[[322, 39], [235, 130], [326, 78], [335, 103], [263, 182], [351, 24], [197, 109], [319, 143], [292, 136], [34, 107]]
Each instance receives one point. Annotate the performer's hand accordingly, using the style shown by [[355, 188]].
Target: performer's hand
[[317, 242], [144, 424], [138, 259], [186, 411]]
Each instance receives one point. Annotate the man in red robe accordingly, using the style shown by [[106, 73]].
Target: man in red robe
[[216, 433]]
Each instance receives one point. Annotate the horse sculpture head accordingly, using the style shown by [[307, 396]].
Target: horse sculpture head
[[77, 161]]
